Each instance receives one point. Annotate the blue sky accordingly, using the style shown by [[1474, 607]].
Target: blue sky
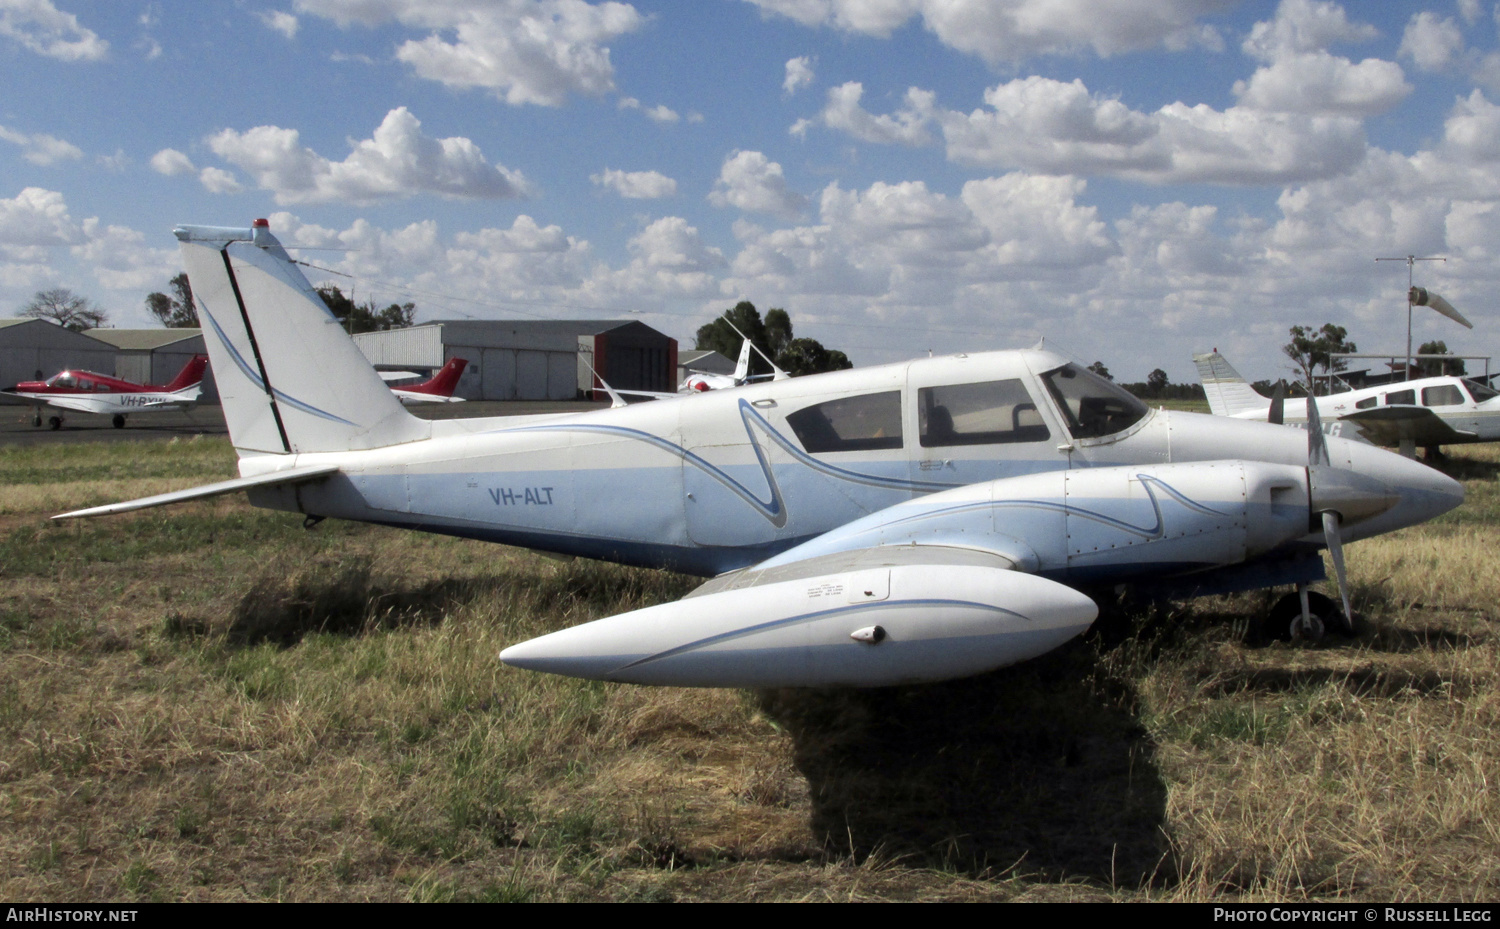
[[1131, 180]]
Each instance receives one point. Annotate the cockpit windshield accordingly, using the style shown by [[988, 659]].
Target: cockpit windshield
[[1093, 406], [65, 379], [1480, 392]]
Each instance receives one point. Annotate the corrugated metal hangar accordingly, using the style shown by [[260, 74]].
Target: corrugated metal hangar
[[154, 356], [34, 349], [531, 359]]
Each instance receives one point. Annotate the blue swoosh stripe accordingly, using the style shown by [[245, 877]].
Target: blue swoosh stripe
[[254, 376], [810, 617]]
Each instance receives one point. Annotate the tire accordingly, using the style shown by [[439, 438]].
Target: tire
[[55, 422], [1282, 622], [118, 420]]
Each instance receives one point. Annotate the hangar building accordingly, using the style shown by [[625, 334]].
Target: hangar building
[[154, 356], [531, 359], [32, 349]]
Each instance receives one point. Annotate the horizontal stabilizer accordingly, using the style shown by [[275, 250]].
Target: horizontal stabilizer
[[275, 478]]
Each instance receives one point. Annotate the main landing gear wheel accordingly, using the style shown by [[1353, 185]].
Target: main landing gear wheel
[[1284, 622], [55, 422], [119, 420]]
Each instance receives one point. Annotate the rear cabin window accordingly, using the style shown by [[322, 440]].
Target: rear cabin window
[[1093, 406], [851, 424], [1442, 395], [987, 413], [1408, 397], [1366, 403]]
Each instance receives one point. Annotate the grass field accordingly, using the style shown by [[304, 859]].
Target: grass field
[[210, 703]]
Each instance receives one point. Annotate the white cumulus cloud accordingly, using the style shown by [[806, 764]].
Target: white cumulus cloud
[[397, 161], [41, 27], [799, 74], [219, 181], [843, 112], [37, 216], [661, 113], [636, 185], [522, 51], [281, 21], [752, 182], [171, 162], [1015, 30], [39, 148]]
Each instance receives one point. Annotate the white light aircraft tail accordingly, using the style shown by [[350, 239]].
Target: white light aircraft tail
[[1228, 393], [290, 379]]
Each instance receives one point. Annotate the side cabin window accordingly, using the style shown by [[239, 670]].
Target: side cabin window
[[1442, 395], [869, 422], [1408, 397], [1093, 406], [986, 413], [1366, 403], [1480, 392]]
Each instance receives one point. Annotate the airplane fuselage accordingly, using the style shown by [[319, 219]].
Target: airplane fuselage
[[721, 480]]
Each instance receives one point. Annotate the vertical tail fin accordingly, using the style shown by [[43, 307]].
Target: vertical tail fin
[[1228, 393], [442, 383], [290, 379], [191, 373], [742, 367]]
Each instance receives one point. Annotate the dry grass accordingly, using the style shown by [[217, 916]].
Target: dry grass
[[210, 703]]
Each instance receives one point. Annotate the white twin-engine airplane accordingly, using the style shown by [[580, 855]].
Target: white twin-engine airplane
[[910, 522], [1428, 412], [87, 392]]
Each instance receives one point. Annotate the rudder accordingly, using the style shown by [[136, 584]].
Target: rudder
[[290, 379]]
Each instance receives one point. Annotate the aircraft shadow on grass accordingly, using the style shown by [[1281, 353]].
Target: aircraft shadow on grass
[[1035, 769]]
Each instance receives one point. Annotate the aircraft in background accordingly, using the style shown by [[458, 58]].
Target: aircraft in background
[[867, 527], [87, 392], [436, 389], [1428, 412], [700, 381]]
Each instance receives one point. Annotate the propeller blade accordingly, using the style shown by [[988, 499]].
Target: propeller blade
[[1336, 552], [1317, 445], [1278, 403], [1421, 296]]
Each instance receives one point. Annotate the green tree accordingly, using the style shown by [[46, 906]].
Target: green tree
[[1099, 369], [66, 308], [773, 336], [364, 317], [1432, 367], [808, 356], [1156, 382], [778, 331], [175, 312], [720, 336], [1311, 349]]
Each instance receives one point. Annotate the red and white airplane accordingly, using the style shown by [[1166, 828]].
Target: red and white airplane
[[437, 389], [87, 392]]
